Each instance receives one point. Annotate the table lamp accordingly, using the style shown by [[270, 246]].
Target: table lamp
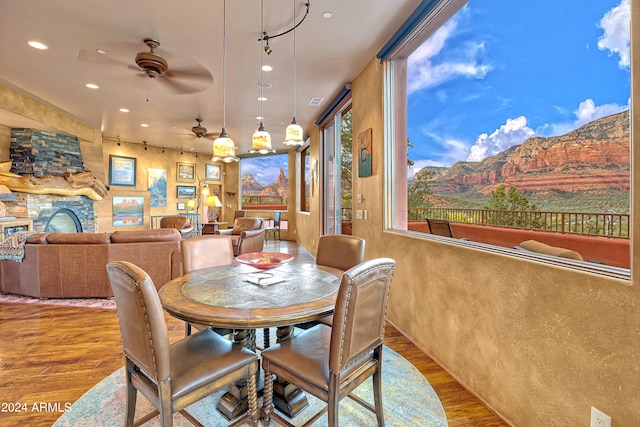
[[212, 202]]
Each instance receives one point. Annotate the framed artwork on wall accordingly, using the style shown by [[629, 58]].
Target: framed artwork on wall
[[186, 191], [185, 172], [157, 187], [122, 170], [181, 206], [128, 211], [212, 172], [364, 153]]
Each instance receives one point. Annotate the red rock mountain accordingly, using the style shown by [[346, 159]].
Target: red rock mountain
[[594, 156], [278, 188]]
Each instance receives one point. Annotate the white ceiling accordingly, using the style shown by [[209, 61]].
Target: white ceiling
[[330, 53]]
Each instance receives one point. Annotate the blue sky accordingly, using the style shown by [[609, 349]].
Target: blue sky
[[502, 71], [265, 169]]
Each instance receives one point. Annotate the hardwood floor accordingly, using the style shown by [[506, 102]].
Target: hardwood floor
[[50, 356]]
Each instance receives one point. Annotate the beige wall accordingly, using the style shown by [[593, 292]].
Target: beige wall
[[539, 344]]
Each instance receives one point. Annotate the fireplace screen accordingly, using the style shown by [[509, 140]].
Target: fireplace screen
[[64, 221]]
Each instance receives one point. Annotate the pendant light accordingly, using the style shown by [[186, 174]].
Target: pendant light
[[293, 134], [224, 149], [261, 139]]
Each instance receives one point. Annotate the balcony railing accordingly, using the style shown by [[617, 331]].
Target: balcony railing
[[607, 224]]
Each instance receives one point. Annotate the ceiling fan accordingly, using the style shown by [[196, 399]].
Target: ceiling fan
[[184, 79], [201, 131]]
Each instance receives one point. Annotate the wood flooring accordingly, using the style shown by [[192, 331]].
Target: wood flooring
[[50, 356]]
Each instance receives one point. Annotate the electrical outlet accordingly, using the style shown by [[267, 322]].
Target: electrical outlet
[[359, 198], [599, 418]]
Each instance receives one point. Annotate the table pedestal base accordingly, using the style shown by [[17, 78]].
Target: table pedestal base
[[289, 399]]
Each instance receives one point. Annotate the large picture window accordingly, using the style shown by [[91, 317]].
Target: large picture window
[[265, 182], [511, 123]]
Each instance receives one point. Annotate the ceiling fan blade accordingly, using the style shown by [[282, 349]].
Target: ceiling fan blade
[[179, 87], [91, 57], [193, 71]]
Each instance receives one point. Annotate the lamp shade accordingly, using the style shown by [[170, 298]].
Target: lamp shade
[[261, 141], [293, 134], [224, 149], [205, 191], [213, 201]]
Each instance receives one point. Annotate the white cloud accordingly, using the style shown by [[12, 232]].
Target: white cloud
[[513, 132], [587, 112], [616, 25], [424, 73]]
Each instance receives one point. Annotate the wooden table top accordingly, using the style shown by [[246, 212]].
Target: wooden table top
[[222, 297]]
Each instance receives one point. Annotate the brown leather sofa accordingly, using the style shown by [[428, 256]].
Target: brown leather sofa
[[247, 235], [73, 265]]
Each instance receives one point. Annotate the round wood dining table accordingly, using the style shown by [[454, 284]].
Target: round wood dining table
[[243, 298]]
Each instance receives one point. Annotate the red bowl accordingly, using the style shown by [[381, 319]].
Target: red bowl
[[264, 260]]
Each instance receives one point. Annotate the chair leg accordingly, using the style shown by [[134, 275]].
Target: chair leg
[[333, 401], [267, 396], [377, 395], [254, 412], [132, 394]]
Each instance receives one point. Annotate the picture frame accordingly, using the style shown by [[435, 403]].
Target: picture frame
[[212, 172], [122, 170], [181, 206], [185, 191], [157, 187], [185, 172], [128, 211], [365, 162]]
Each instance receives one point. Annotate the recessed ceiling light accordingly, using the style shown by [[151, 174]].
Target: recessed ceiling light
[[144, 125], [267, 68], [262, 98], [259, 118], [101, 51], [315, 101], [124, 110], [327, 15], [37, 45], [92, 86]]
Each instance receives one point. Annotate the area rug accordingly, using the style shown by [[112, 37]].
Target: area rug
[[408, 400], [106, 304]]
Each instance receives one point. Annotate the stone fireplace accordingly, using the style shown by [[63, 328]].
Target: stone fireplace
[[39, 153]]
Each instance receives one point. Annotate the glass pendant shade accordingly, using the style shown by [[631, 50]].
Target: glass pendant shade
[[261, 141], [293, 134], [205, 191], [224, 149]]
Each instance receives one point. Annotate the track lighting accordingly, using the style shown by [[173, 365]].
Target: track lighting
[[267, 48]]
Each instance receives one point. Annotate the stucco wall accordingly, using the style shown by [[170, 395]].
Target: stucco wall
[[539, 344]]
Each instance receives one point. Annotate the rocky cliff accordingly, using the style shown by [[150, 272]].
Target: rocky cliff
[[594, 156]]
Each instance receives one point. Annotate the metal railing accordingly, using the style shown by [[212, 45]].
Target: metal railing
[[263, 200], [607, 224]]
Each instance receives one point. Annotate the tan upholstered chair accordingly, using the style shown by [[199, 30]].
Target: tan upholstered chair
[[330, 362], [180, 223], [203, 252], [247, 235], [338, 251], [172, 376]]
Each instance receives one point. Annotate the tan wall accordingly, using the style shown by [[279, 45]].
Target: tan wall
[[5, 142], [308, 224]]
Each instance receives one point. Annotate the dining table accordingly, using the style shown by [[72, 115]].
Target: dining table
[[244, 298]]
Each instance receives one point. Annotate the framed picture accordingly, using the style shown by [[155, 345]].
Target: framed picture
[[186, 172], [122, 170], [157, 187], [212, 172], [364, 153], [128, 211], [186, 191], [181, 206]]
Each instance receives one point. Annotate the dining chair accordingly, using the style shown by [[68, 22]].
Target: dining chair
[[172, 376], [330, 362], [204, 252], [275, 228], [339, 251]]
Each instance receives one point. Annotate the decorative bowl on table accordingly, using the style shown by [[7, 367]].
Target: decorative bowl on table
[[264, 260]]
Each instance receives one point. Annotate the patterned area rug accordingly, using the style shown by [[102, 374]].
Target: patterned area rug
[[408, 400], [106, 304]]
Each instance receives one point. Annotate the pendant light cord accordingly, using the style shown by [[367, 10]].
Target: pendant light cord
[[224, 65], [261, 62], [295, 75]]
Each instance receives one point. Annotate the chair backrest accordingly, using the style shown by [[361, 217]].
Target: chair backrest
[[239, 214], [359, 314], [246, 223], [206, 251], [441, 227], [145, 339], [177, 221], [277, 217], [340, 251]]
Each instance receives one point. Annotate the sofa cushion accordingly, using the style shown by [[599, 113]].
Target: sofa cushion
[[178, 222], [79, 238], [156, 235], [38, 239], [542, 248]]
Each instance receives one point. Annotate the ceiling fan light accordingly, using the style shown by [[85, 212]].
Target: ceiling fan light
[[224, 149], [293, 134], [261, 141]]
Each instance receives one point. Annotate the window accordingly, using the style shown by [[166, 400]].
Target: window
[[304, 180], [265, 183], [507, 117]]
